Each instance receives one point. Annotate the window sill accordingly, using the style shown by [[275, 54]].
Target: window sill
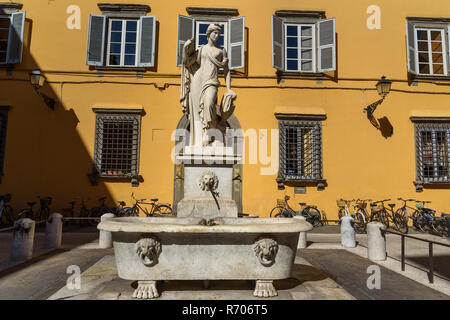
[[421, 184], [293, 74], [110, 68], [320, 183], [429, 77], [134, 180]]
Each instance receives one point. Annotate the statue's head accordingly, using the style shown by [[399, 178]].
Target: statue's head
[[215, 29]]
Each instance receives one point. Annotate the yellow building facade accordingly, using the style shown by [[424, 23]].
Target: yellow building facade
[[400, 149]]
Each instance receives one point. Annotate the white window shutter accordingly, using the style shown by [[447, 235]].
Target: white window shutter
[[236, 44], [277, 43], [146, 51], [15, 38], [448, 53], [96, 40], [326, 45], [411, 47], [186, 27]]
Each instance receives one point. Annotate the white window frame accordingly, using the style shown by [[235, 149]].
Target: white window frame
[[122, 51], [299, 38], [225, 33], [7, 40], [430, 59]]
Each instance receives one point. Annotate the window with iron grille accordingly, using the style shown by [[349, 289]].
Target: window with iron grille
[[300, 149], [432, 152], [117, 135]]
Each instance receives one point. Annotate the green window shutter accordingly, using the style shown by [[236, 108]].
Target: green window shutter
[[96, 40], [326, 46], [277, 43], [147, 41], [236, 29], [15, 38], [185, 32]]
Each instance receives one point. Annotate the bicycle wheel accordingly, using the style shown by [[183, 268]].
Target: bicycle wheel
[[277, 212], [400, 223], [131, 212], [360, 223], [422, 223], [9, 215], [163, 210], [436, 226], [404, 213], [312, 216]]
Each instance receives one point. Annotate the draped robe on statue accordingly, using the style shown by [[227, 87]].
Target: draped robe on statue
[[198, 96]]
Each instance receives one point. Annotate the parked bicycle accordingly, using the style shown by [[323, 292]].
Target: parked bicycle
[[6, 211], [284, 210], [388, 216], [157, 209], [405, 209], [442, 224], [97, 212], [359, 214], [424, 218], [42, 213]]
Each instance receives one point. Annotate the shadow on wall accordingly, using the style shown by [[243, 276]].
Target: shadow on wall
[[383, 124], [44, 154]]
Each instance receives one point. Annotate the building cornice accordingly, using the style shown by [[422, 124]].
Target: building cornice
[[300, 14], [212, 11]]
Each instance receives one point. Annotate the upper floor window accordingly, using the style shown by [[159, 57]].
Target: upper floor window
[[122, 42], [231, 38], [11, 37], [428, 48], [303, 42], [300, 48], [115, 41]]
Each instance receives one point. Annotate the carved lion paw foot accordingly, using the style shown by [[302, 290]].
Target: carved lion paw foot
[[265, 289], [146, 290]]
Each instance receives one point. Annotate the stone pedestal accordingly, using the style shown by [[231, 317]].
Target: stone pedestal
[[23, 239], [302, 242], [348, 232], [53, 231], [376, 242], [105, 238], [208, 182]]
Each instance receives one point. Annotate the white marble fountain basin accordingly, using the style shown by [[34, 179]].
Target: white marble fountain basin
[[150, 249]]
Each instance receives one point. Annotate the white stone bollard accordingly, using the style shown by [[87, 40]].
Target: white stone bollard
[[302, 243], [23, 239], [53, 231], [376, 242], [105, 238], [347, 232]]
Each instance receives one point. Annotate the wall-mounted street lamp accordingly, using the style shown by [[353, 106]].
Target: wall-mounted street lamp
[[37, 81], [383, 87]]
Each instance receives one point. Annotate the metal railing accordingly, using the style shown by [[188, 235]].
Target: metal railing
[[430, 250]]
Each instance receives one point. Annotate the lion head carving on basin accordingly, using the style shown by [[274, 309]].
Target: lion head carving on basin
[[208, 181], [266, 250], [148, 249]]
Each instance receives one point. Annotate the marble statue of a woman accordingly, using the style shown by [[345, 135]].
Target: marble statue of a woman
[[199, 85]]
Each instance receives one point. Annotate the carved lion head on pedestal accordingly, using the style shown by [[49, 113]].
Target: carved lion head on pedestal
[[208, 181]]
